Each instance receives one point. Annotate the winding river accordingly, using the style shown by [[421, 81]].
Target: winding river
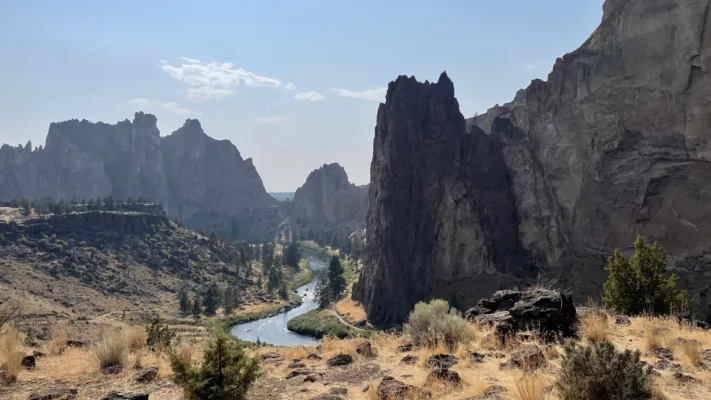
[[273, 330]]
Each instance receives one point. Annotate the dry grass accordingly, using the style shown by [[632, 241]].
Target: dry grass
[[333, 346], [655, 337], [58, 343], [690, 351], [185, 353], [530, 387], [594, 327], [136, 337], [352, 311], [658, 394], [295, 353], [551, 352], [11, 351], [111, 349]]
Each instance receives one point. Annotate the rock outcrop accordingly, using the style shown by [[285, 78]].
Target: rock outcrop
[[327, 201], [186, 172], [614, 144]]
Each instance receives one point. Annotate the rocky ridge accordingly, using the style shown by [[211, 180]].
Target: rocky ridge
[[186, 172], [613, 144]]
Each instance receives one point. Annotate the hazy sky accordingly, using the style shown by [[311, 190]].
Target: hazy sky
[[293, 84]]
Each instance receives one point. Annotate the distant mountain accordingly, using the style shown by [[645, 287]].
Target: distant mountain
[[282, 196], [327, 204], [187, 172]]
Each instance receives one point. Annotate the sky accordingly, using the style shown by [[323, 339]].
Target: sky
[[293, 84]]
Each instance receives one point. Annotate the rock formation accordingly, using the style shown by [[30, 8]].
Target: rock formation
[[614, 144], [186, 172], [327, 200]]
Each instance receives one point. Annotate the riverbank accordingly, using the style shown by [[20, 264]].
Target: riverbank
[[319, 323]]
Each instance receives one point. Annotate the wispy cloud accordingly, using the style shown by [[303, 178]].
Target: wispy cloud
[[309, 96], [139, 102], [290, 86], [530, 66], [150, 105], [375, 94], [213, 80], [272, 120], [205, 93]]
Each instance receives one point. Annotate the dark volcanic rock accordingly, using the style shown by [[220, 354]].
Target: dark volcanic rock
[[146, 375], [125, 396], [28, 362], [537, 309], [327, 396], [529, 357], [442, 361], [365, 349], [445, 375], [112, 369], [405, 348], [338, 390], [339, 360], [297, 372], [393, 389], [614, 144], [410, 359], [55, 394]]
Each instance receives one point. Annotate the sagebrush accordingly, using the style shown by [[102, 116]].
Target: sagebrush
[[598, 371], [436, 323]]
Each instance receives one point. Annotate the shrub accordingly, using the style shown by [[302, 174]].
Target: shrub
[[530, 387], [226, 372], [111, 349], [637, 285], [158, 335], [10, 352], [436, 323], [599, 372]]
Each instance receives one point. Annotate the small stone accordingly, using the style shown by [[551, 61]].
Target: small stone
[[112, 370], [365, 349], [661, 353], [410, 359], [327, 396], [126, 396], [77, 343], [28, 363], [338, 390], [297, 372], [494, 389], [340, 360], [685, 378], [622, 320], [55, 394], [476, 357], [146, 375], [405, 348], [314, 356], [445, 375], [309, 378], [441, 361], [296, 364]]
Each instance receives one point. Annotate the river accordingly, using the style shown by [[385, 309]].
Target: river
[[273, 330]]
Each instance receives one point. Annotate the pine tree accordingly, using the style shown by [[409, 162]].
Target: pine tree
[[197, 305], [292, 255], [183, 300], [323, 291], [335, 278], [212, 299], [638, 285]]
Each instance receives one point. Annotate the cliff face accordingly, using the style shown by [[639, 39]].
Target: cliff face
[[327, 199], [186, 172], [614, 144]]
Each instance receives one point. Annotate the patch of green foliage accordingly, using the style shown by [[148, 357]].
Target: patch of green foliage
[[159, 336], [320, 323], [226, 372], [434, 323], [598, 371], [638, 285]]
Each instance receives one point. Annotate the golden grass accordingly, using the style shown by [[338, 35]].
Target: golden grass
[[655, 337], [593, 327], [111, 349], [690, 351], [333, 346], [352, 311], [295, 353], [11, 351], [58, 343], [138, 356], [185, 353], [136, 337], [551, 352], [530, 387]]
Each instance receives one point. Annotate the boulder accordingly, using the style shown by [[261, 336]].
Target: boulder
[[661, 353], [327, 396], [296, 364], [410, 359], [314, 356], [55, 394], [297, 372], [339, 390], [442, 361], [340, 360], [112, 369], [405, 348], [393, 389], [146, 375], [537, 309]]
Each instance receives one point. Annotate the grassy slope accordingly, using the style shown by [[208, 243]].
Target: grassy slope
[[320, 323]]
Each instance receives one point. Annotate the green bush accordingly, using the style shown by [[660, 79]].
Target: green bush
[[434, 323], [599, 372], [319, 323], [226, 372], [638, 285], [158, 335]]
